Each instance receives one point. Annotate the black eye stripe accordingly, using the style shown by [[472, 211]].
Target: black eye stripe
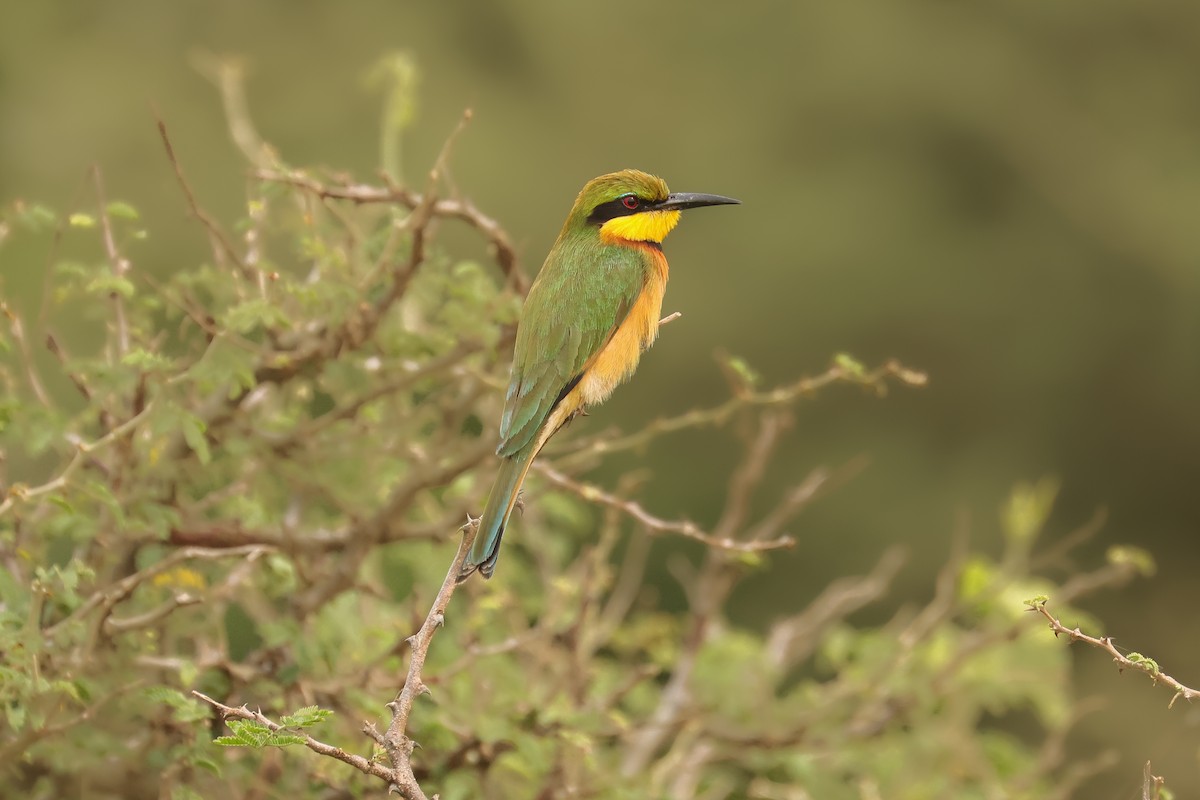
[[616, 208]]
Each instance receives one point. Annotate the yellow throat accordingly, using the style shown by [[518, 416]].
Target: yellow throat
[[648, 226]]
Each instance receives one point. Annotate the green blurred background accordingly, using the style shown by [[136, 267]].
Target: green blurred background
[[1003, 194]]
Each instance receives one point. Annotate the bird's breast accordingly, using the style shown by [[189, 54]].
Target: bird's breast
[[619, 357]]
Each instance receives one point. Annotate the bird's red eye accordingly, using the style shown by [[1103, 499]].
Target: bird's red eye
[[630, 201]]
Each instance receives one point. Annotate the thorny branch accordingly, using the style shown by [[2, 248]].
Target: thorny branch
[[395, 740], [745, 397], [244, 712], [1134, 661], [655, 525]]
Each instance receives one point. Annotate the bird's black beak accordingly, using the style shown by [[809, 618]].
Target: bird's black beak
[[677, 201]]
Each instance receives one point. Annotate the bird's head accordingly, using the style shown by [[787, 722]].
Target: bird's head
[[633, 206]]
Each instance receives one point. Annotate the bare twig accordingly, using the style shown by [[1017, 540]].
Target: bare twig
[[717, 415], [749, 472], [216, 235], [118, 263], [945, 594], [82, 451], [792, 640], [1135, 661], [11, 750], [124, 624], [61, 356], [461, 209], [228, 75], [656, 525], [18, 334], [1151, 784], [106, 599], [706, 593], [1057, 553]]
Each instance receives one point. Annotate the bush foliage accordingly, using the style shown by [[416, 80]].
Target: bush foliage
[[252, 485]]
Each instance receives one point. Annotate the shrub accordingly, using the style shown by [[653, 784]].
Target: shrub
[[227, 518]]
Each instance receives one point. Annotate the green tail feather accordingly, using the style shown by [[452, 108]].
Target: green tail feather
[[501, 502]]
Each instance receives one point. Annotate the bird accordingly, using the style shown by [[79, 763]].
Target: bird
[[592, 311]]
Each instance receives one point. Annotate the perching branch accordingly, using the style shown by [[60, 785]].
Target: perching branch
[[395, 739], [1135, 661]]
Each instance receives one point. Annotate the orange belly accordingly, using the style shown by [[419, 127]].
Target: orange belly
[[619, 357]]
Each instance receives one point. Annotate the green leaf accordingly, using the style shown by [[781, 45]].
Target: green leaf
[[246, 733], [742, 369], [121, 210], [284, 740], [1027, 509], [80, 220], [976, 578], [188, 672], [193, 433], [1149, 664], [253, 314], [306, 717], [185, 708], [107, 284], [208, 764], [146, 361], [1139, 559], [36, 217], [850, 364], [16, 716]]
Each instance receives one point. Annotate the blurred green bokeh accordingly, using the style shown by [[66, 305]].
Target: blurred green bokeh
[[1001, 194]]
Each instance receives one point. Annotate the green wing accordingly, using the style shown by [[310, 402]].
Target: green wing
[[579, 299]]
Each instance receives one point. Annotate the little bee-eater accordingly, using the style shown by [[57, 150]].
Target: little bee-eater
[[590, 314]]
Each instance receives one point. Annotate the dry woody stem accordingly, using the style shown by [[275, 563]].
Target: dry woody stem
[[1134, 661]]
